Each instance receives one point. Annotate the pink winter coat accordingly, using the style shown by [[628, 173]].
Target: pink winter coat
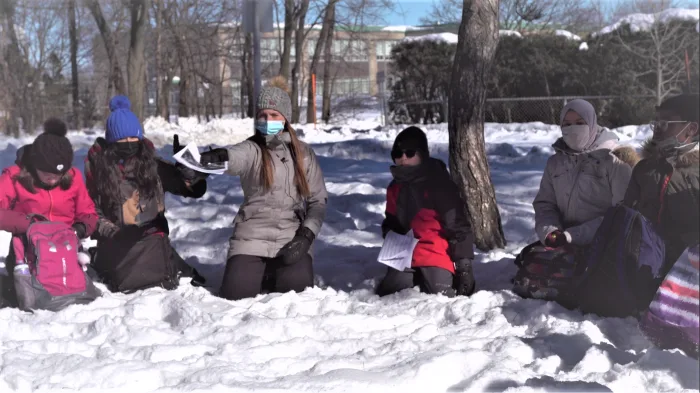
[[70, 206]]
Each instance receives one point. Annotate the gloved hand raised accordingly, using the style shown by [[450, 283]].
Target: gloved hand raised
[[189, 175], [213, 156], [556, 239], [464, 282], [293, 251]]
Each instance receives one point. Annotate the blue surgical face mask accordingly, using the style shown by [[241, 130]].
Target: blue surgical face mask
[[269, 127]]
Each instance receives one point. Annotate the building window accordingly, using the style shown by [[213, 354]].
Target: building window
[[384, 49]]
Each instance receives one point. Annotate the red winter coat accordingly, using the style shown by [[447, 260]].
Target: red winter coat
[[426, 200], [68, 206]]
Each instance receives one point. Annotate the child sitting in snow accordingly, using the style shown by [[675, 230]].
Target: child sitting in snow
[[423, 198], [128, 182], [43, 182]]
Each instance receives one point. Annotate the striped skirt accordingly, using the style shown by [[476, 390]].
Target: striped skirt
[[673, 318]]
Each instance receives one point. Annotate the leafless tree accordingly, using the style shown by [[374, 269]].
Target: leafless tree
[[116, 76], [136, 61], [73, 37], [664, 52], [326, 31], [474, 57]]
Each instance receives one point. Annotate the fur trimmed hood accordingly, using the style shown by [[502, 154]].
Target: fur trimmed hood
[[627, 154], [689, 158]]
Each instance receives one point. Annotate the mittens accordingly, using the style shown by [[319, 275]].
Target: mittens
[[464, 282], [292, 252], [556, 239], [80, 230]]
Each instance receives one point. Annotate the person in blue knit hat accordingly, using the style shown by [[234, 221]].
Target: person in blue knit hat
[[127, 180], [122, 123]]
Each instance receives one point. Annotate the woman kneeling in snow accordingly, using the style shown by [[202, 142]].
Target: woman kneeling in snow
[[127, 181], [586, 176], [43, 182], [284, 203], [423, 198]]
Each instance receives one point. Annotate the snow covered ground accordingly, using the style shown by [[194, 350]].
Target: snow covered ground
[[338, 337]]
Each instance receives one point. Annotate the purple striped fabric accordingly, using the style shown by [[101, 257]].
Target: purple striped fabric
[[673, 318]]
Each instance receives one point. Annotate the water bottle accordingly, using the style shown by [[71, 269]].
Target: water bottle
[[22, 269]]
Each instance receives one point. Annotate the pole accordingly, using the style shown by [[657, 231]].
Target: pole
[[256, 57]]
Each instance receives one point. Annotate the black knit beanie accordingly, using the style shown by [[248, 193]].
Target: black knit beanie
[[412, 138], [684, 105], [51, 151]]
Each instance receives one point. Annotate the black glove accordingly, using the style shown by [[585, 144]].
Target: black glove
[[292, 252], [213, 156], [556, 239], [464, 282], [107, 229], [80, 230], [189, 175]]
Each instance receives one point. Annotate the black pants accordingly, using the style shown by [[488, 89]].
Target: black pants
[[244, 276], [432, 280]]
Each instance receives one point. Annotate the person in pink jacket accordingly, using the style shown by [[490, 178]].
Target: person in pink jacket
[[44, 182]]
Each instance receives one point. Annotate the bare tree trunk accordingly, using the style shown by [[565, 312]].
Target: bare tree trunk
[[328, 19], [75, 86], [116, 77], [183, 109], [298, 58], [248, 69], [14, 73], [287, 45], [161, 93], [137, 63], [327, 63], [478, 38]]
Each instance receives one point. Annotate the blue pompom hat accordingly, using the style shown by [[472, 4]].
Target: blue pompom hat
[[122, 122]]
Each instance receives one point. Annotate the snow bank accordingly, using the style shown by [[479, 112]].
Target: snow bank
[[449, 38], [644, 22], [511, 33], [338, 337], [567, 34], [401, 29]]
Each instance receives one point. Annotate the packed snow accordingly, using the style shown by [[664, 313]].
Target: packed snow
[[567, 34], [511, 33], [338, 337], [449, 38], [644, 22]]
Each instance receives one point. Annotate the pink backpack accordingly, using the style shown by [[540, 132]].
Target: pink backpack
[[55, 278]]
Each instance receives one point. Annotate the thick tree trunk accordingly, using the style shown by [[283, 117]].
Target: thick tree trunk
[[161, 92], [116, 77], [248, 75], [14, 73], [75, 85], [183, 107], [328, 19], [327, 64], [478, 38], [287, 43], [298, 58], [137, 63]]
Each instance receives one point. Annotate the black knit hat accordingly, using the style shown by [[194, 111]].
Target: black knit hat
[[412, 138], [684, 105], [51, 151]]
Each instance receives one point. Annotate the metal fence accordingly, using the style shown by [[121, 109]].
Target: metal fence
[[613, 111]]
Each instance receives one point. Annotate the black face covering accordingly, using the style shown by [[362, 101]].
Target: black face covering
[[125, 150]]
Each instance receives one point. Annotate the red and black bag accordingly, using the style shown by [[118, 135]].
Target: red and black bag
[[547, 273]]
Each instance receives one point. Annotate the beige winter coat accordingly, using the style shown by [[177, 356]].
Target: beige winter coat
[[266, 221], [577, 188]]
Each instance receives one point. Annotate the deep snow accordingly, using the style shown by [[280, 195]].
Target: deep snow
[[338, 337]]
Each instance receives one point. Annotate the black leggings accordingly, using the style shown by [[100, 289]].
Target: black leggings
[[432, 280], [244, 276]]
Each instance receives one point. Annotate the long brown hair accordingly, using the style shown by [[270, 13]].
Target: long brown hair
[[267, 173]]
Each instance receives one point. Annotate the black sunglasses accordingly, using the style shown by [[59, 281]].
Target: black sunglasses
[[398, 153]]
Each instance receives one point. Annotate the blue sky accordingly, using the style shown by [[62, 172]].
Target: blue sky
[[408, 12]]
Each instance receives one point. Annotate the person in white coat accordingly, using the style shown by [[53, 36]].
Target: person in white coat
[[586, 176]]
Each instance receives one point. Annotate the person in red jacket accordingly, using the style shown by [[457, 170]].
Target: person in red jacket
[[43, 182], [422, 197]]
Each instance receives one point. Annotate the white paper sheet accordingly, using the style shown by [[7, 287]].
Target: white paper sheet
[[397, 250], [189, 157]]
